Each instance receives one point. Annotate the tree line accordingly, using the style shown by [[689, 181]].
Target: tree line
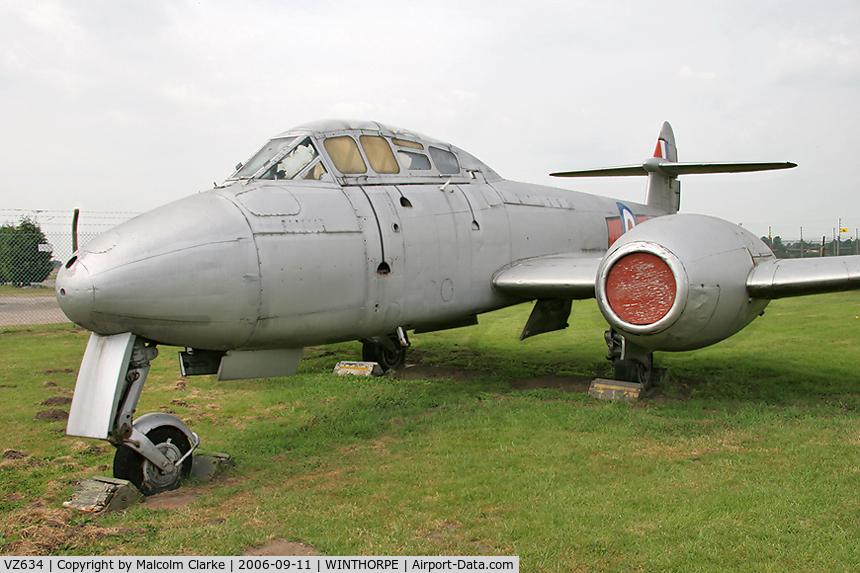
[[797, 249], [25, 254]]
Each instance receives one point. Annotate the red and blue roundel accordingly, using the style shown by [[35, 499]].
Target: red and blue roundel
[[626, 220]]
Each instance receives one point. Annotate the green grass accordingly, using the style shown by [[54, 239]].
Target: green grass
[[35, 290], [28, 291], [744, 459]]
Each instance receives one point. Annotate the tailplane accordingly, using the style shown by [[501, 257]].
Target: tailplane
[[663, 169]]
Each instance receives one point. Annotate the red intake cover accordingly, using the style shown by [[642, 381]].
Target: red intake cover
[[640, 288]]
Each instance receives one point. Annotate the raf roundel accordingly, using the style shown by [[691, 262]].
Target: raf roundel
[[640, 288]]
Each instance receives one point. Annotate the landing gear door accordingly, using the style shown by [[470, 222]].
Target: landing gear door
[[98, 390]]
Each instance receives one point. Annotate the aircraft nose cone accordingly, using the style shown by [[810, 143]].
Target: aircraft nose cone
[[184, 274], [75, 292]]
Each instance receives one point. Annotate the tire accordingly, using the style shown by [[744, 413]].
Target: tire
[[388, 360], [130, 465], [632, 371]]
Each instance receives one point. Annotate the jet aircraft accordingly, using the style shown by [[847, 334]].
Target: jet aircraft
[[346, 230]]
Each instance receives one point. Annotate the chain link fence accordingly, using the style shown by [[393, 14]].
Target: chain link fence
[[30, 258], [31, 253], [28, 268]]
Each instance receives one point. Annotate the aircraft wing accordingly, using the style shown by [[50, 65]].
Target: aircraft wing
[[573, 276], [778, 278], [562, 276]]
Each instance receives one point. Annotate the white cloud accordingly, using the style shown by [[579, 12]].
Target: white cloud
[[836, 56], [687, 72], [189, 95]]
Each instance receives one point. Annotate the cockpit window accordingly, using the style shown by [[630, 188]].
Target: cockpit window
[[270, 150], [446, 162], [316, 172], [379, 154], [344, 152], [413, 161], [407, 143], [293, 162]]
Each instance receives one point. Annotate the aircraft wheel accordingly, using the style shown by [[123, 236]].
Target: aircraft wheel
[[387, 359], [633, 371], [131, 466]]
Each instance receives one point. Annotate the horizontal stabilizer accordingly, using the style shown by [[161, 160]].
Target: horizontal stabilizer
[[674, 169], [663, 169], [621, 171]]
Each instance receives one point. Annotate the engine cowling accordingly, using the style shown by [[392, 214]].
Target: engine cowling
[[678, 282]]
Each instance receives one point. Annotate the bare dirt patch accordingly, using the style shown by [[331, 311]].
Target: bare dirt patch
[[13, 455], [443, 530], [12, 498], [570, 384], [281, 548], [57, 401], [52, 414], [45, 530], [170, 500], [91, 451], [425, 372]]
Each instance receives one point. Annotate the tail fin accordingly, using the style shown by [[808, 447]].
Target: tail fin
[[664, 191], [663, 169]]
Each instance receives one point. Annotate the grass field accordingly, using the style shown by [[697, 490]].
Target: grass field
[[745, 458], [37, 290]]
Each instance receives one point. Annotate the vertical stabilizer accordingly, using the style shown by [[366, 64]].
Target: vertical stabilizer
[[664, 190], [663, 169]]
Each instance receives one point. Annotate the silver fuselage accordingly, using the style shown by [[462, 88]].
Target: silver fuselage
[[268, 263]]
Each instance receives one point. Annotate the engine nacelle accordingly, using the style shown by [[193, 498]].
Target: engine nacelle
[[678, 282]]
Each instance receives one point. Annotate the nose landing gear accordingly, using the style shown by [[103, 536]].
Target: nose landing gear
[[148, 476], [153, 452]]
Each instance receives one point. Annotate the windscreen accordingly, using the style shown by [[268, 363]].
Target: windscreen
[[293, 162], [272, 148]]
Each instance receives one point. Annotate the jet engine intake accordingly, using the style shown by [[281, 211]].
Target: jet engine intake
[[679, 282]]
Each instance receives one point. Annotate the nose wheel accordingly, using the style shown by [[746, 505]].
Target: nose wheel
[[145, 475]]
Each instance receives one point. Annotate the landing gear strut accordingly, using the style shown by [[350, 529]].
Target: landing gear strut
[[632, 363], [154, 451], [387, 351]]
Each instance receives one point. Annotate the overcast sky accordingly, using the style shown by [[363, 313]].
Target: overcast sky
[[126, 105]]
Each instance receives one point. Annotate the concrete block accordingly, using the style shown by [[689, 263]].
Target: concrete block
[[206, 466], [604, 389], [358, 369], [103, 494]]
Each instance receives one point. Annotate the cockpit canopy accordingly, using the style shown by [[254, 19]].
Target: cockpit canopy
[[358, 152]]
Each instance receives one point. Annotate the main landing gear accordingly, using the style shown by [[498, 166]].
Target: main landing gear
[[152, 452], [387, 351], [632, 363]]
